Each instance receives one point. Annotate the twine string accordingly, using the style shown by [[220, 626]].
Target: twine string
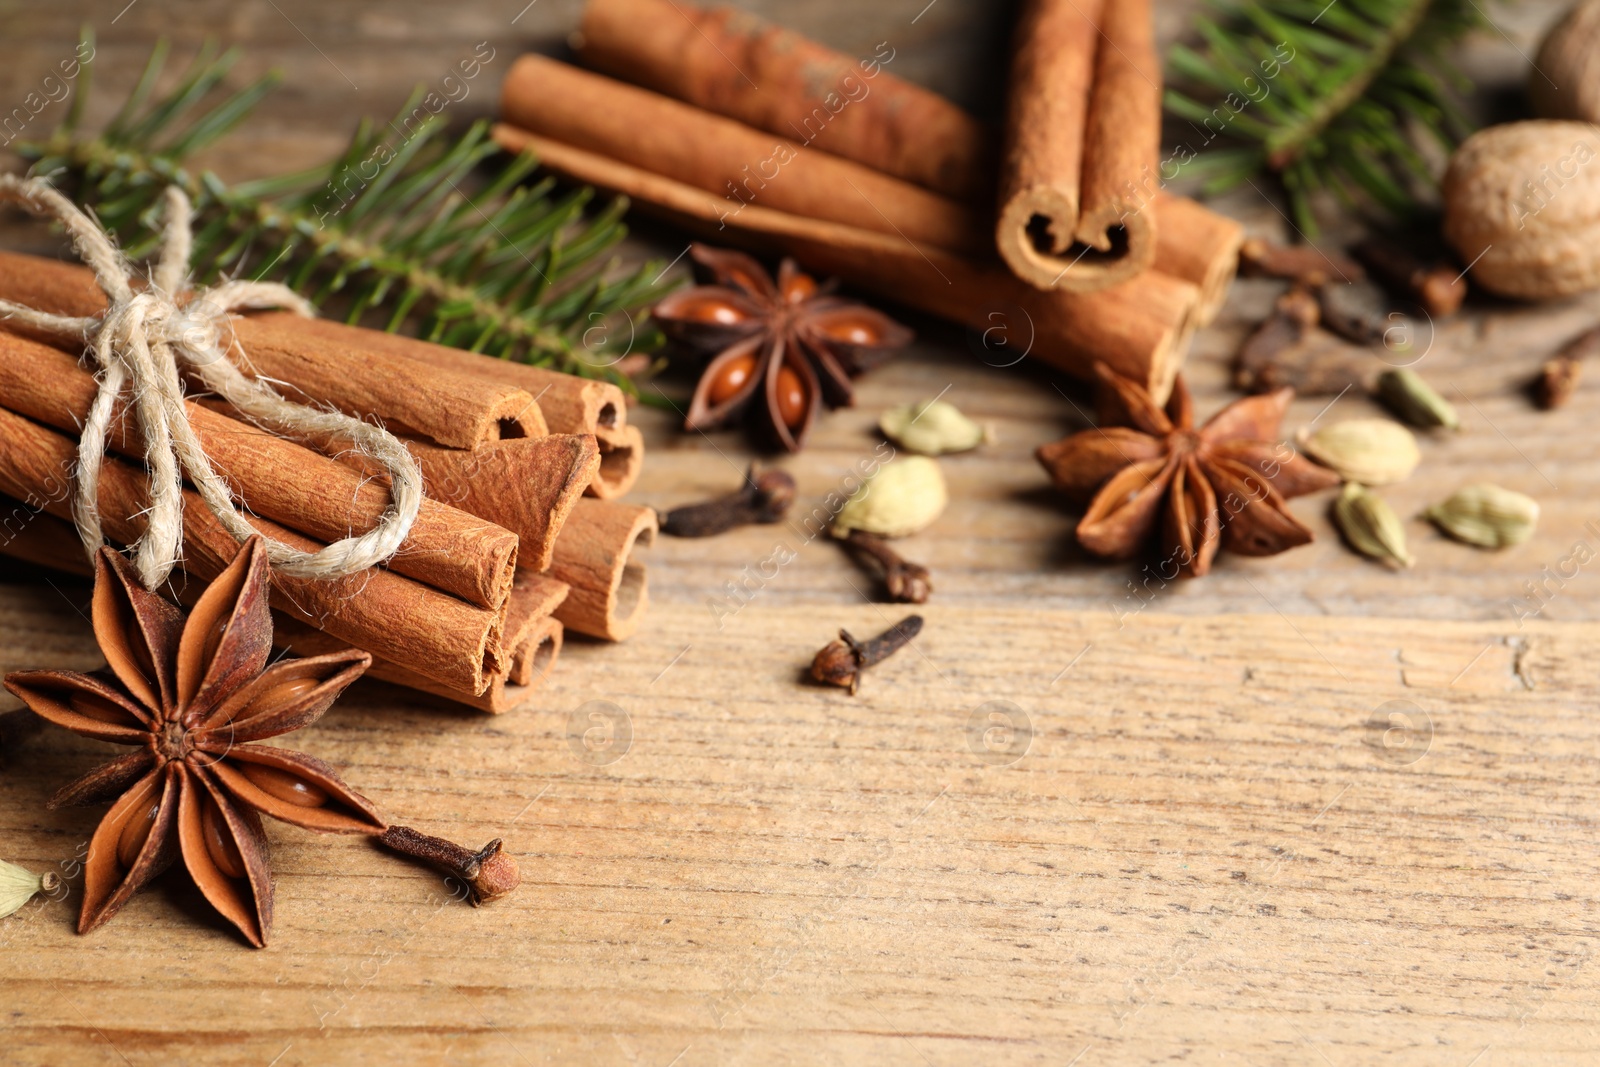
[[145, 343]]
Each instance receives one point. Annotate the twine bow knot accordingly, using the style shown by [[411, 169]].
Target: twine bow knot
[[144, 344]]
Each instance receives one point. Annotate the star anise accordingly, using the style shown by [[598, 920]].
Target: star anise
[[792, 341], [191, 695], [1150, 476]]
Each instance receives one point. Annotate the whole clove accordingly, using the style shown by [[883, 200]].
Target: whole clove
[[1305, 265], [1559, 376], [1438, 286], [906, 582], [1354, 312], [488, 874], [763, 499], [1289, 349], [841, 662]]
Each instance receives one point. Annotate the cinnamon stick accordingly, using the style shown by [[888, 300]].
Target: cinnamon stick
[[532, 636], [621, 462], [528, 487], [453, 551], [734, 64], [43, 540], [594, 555], [324, 361], [1082, 140], [643, 41], [1139, 328], [399, 619], [1122, 141], [568, 403], [742, 166]]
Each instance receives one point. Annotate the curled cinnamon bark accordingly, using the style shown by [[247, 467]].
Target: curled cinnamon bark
[[1047, 112], [732, 63], [448, 549], [1141, 327], [594, 555], [644, 129], [392, 616]]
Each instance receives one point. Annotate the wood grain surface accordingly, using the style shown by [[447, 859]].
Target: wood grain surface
[[1302, 811]]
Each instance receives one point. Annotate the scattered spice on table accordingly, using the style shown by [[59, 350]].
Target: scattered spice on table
[[191, 694], [1151, 478], [1487, 516], [841, 662], [488, 873], [18, 885], [792, 342], [1371, 527], [763, 498]]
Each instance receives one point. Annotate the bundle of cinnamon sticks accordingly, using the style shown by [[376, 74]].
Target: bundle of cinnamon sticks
[[522, 535], [749, 134]]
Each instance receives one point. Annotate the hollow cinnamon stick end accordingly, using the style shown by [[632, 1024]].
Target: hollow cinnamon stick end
[[595, 556], [1035, 238], [621, 461]]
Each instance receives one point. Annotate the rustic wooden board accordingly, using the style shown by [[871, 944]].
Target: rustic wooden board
[[1194, 842], [1213, 844]]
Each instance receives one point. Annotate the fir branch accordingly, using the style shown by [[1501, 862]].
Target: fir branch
[[388, 231], [1325, 95]]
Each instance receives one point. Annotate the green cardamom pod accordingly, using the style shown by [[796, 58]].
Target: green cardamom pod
[[1369, 451], [896, 500], [18, 885], [931, 427], [1370, 525], [1487, 516], [1415, 401]]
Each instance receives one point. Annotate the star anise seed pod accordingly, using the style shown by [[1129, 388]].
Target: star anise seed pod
[[190, 696], [791, 341], [1155, 477]]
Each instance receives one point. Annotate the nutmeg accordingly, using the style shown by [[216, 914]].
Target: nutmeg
[[1522, 205], [1565, 80]]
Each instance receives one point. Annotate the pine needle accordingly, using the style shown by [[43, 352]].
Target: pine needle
[[1324, 95], [388, 231]]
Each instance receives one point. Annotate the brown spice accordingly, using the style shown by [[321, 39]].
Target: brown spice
[[1438, 286], [841, 662], [190, 695], [906, 582], [1559, 376], [790, 341], [1151, 477], [763, 498], [1305, 265], [488, 874]]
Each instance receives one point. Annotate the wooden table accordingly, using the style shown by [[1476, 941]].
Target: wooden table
[[1302, 811]]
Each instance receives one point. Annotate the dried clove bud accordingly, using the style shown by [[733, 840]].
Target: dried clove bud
[[1558, 378], [1304, 265], [1291, 320], [18, 886], [763, 498], [1370, 526], [1487, 516], [1438, 286], [841, 662], [1557, 381], [1415, 401], [906, 582], [1355, 312], [488, 873]]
